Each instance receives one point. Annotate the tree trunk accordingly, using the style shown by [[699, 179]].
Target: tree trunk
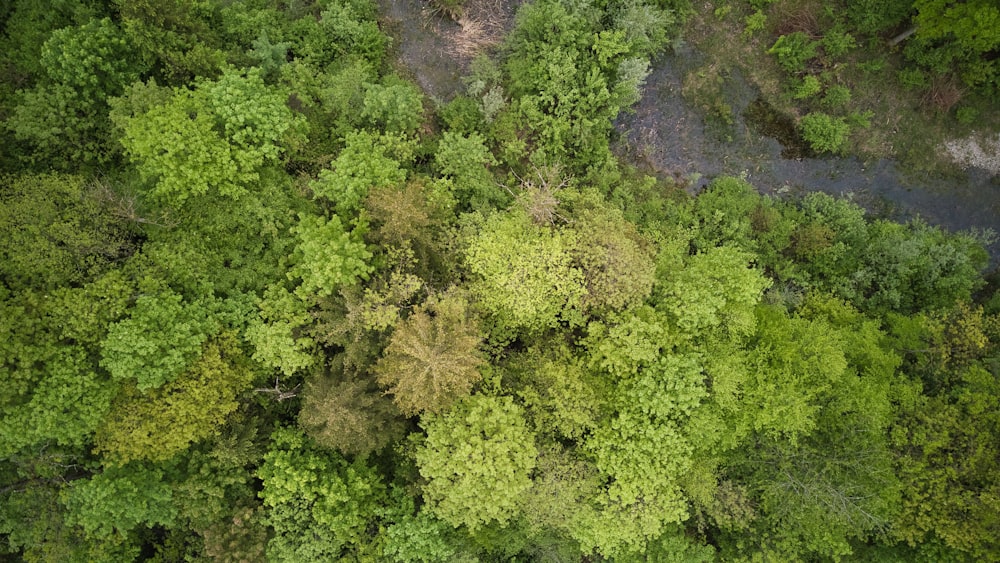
[[899, 38]]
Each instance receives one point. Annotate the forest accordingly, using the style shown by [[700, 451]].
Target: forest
[[262, 299]]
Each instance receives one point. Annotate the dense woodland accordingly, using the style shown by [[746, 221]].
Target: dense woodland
[[262, 300]]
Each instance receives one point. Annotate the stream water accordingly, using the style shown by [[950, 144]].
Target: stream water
[[666, 134], [670, 136]]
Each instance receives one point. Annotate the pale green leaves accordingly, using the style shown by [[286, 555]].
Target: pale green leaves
[[368, 161], [525, 275], [163, 422], [215, 138], [477, 459], [327, 257], [274, 336], [395, 107], [176, 146], [717, 289]]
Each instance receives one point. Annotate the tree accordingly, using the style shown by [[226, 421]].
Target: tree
[[326, 257], [433, 357], [368, 161], [65, 116], [616, 261], [158, 340], [959, 34], [348, 414], [477, 458], [55, 392], [162, 422], [276, 336], [55, 232], [464, 160], [120, 499], [524, 275], [394, 106], [317, 503], [716, 289], [213, 139]]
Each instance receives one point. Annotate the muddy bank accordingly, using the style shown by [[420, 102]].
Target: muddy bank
[[669, 136], [437, 49]]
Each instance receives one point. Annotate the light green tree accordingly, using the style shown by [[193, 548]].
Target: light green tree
[[316, 502], [158, 341], [326, 257], [524, 275], [162, 422], [477, 459]]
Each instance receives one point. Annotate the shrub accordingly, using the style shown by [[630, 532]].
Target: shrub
[[966, 115], [837, 97], [912, 78], [755, 22], [794, 51], [807, 88], [823, 132], [837, 43]]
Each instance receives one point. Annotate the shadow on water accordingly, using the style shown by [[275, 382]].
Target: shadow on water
[[666, 134]]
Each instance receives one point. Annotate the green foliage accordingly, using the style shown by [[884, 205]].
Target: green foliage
[[393, 107], [615, 259], [65, 117], [55, 231], [326, 256], [948, 464], [120, 499], [680, 379], [647, 27], [344, 29], [823, 132], [961, 36], [433, 357], [524, 275], [419, 539], [176, 146], [253, 117], [368, 161], [717, 289], [794, 50], [66, 406], [157, 425], [476, 458], [871, 17], [755, 23], [157, 342], [807, 88], [464, 159], [316, 502], [213, 139], [563, 72], [837, 97], [93, 59], [177, 36], [275, 337], [912, 267], [837, 43]]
